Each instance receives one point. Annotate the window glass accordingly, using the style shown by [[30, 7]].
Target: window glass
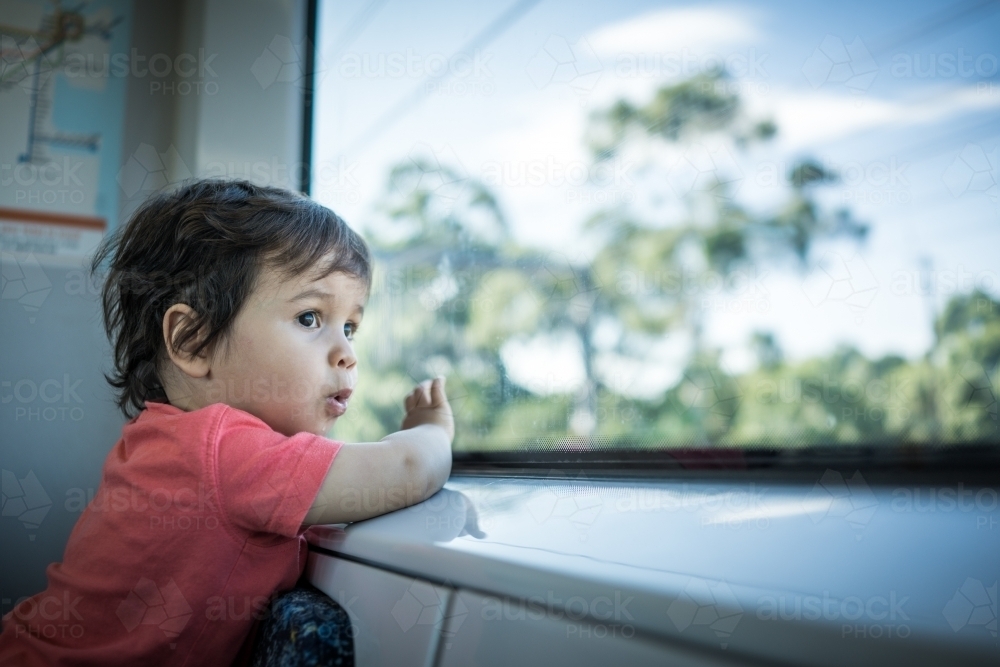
[[647, 224]]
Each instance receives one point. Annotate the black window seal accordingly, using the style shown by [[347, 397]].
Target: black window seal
[[978, 461], [308, 98]]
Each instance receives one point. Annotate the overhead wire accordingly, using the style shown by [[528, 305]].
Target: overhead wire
[[354, 29], [962, 13], [483, 38], [950, 20]]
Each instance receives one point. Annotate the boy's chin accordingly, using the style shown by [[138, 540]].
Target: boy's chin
[[325, 428]]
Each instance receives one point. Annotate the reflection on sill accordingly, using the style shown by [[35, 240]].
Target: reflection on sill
[[773, 510]]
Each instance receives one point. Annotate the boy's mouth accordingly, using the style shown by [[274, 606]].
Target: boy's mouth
[[336, 404]]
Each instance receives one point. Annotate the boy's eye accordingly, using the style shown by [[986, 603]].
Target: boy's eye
[[350, 328], [309, 319]]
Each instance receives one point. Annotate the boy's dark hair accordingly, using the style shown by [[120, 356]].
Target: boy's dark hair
[[204, 245]]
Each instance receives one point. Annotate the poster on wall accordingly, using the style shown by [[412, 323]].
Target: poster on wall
[[63, 75]]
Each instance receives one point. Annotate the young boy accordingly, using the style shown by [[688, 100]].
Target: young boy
[[231, 309]]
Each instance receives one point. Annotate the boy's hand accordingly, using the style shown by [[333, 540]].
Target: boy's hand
[[427, 404]]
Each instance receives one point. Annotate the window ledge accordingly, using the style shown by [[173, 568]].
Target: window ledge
[[829, 573]]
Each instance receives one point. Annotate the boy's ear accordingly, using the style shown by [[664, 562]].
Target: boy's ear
[[176, 320]]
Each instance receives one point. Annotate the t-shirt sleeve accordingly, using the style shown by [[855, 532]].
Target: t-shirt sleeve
[[267, 481]]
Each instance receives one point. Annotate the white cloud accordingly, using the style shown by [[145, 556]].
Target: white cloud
[[807, 119], [699, 29], [545, 364], [660, 368]]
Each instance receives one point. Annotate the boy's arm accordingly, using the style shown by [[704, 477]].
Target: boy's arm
[[402, 469]]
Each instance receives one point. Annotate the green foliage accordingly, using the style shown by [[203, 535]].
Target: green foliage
[[694, 106]]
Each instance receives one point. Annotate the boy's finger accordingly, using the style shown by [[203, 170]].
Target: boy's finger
[[410, 401], [438, 396], [425, 392]]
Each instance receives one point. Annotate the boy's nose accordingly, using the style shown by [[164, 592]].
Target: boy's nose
[[342, 356]]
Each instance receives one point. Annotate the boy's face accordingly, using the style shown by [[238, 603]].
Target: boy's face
[[290, 359]]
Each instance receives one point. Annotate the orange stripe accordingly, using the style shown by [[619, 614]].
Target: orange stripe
[[24, 215]]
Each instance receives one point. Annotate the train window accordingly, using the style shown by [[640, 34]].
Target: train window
[[648, 224]]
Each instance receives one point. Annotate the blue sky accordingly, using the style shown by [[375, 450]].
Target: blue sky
[[902, 98]]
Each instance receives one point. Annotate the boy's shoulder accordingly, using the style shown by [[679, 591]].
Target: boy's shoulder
[[189, 431]]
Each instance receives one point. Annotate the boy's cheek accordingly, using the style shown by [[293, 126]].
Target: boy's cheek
[[301, 412]]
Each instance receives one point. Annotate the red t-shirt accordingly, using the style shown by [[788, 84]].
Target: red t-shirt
[[196, 523]]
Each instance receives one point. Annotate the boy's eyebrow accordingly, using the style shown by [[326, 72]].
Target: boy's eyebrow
[[310, 293]]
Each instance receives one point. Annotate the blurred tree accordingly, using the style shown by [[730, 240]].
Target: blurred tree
[[643, 274]]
